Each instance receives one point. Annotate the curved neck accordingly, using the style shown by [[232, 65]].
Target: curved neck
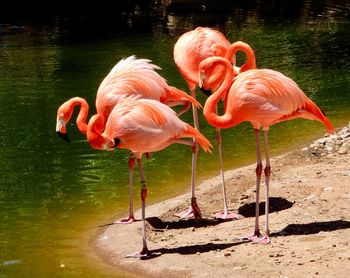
[[83, 113], [244, 47], [209, 110], [94, 132]]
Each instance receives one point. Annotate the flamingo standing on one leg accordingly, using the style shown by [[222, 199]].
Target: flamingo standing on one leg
[[142, 126], [262, 97], [190, 49], [129, 77]]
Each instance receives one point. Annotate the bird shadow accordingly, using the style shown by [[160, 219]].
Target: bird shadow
[[193, 249], [289, 230], [312, 228], [158, 224], [275, 204]]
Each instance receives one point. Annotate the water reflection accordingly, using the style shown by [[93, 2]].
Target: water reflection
[[53, 195]]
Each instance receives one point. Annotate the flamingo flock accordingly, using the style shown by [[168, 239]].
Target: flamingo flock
[[133, 111]]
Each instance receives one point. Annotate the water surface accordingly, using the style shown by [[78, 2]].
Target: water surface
[[54, 195]]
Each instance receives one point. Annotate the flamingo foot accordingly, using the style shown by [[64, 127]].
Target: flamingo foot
[[129, 220], [261, 239], [195, 208], [193, 211], [145, 253], [257, 238], [185, 214], [226, 215]]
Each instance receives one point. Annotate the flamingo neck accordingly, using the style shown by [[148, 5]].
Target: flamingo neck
[[83, 113], [210, 107], [244, 47], [95, 129]]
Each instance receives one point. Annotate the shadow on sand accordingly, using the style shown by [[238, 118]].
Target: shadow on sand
[[275, 204], [292, 229], [312, 228]]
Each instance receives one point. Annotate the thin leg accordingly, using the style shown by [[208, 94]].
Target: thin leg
[[144, 252], [267, 171], [258, 172], [225, 214], [193, 209], [131, 217], [185, 108]]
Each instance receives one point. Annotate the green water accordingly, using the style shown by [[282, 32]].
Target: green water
[[54, 195]]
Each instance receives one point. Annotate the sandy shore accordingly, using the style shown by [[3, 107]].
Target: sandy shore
[[309, 223]]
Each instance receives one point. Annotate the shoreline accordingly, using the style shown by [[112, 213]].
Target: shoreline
[[309, 223]]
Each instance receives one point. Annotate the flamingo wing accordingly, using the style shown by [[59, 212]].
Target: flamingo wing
[[266, 97], [144, 125], [130, 76]]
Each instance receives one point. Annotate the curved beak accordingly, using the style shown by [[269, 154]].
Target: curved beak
[[206, 92], [116, 142], [200, 85], [61, 130], [64, 136], [112, 144]]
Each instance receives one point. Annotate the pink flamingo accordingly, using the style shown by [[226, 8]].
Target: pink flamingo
[[190, 49], [129, 77], [262, 97], [142, 126]]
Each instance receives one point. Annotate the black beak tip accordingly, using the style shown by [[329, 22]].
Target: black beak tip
[[116, 142], [64, 136], [206, 92]]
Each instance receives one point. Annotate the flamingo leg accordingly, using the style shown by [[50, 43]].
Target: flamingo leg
[[225, 214], [267, 171], [145, 251], [258, 171], [193, 210], [185, 108], [131, 217]]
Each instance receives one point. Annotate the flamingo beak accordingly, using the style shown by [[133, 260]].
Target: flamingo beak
[[61, 130], [201, 86], [201, 78], [206, 92], [112, 144], [116, 142], [64, 136]]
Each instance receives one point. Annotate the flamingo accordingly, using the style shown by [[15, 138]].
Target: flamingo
[[129, 77], [262, 97], [142, 126], [190, 49]]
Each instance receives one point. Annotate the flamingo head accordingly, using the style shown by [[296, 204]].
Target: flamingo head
[[211, 75], [64, 113]]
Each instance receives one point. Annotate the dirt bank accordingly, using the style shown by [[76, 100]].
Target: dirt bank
[[309, 223]]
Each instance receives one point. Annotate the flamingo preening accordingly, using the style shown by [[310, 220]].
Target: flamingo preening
[[190, 49]]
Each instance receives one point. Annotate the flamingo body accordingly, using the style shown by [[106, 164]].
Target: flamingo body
[[143, 125], [262, 97], [265, 97], [189, 50]]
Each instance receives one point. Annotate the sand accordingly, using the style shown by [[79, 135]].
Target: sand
[[309, 223]]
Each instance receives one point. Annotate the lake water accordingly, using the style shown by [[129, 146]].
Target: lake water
[[54, 195]]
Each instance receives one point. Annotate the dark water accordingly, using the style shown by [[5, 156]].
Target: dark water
[[53, 195]]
